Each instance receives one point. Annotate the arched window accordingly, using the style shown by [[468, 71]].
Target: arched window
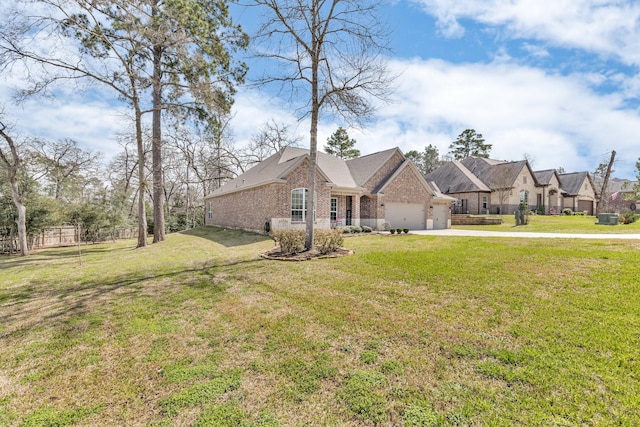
[[299, 204]]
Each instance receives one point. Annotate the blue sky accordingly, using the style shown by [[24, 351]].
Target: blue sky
[[559, 81]]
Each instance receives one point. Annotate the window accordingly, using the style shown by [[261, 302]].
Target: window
[[334, 209], [210, 213], [298, 204], [524, 196], [485, 202]]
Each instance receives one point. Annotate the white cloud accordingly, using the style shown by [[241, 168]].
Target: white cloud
[[606, 27], [558, 120]]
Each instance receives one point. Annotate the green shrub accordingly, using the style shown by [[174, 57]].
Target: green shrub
[[291, 241], [629, 217], [405, 230], [327, 241], [366, 229], [567, 211], [392, 231], [356, 229], [399, 230]]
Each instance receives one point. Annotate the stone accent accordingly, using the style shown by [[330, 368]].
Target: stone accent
[[474, 220]]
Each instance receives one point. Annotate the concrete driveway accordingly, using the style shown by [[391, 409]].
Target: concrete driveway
[[523, 234]]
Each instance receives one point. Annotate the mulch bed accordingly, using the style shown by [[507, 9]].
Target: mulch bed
[[277, 254]]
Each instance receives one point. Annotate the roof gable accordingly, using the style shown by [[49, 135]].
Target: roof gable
[[571, 183], [454, 177], [408, 164], [544, 177], [363, 168]]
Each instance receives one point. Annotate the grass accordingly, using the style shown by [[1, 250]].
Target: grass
[[557, 224], [423, 330]]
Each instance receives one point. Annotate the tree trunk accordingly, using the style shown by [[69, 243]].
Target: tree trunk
[[13, 166], [142, 214], [605, 183], [22, 217], [156, 149], [313, 145], [313, 160]]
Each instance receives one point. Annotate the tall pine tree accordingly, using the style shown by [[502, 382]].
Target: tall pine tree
[[339, 144]]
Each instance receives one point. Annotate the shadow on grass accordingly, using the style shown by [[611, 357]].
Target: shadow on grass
[[226, 237], [25, 307], [52, 254]]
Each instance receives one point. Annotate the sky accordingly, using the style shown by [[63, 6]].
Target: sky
[[557, 81]]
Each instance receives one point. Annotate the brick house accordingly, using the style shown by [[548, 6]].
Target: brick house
[[487, 186], [380, 190]]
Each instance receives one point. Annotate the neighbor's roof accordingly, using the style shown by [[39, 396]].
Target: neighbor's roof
[[617, 185], [454, 177], [544, 177], [496, 173], [571, 183]]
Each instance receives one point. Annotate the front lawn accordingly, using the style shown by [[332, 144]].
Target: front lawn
[[556, 224], [411, 330]]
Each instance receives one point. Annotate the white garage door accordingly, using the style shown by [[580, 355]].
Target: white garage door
[[440, 216], [405, 215]]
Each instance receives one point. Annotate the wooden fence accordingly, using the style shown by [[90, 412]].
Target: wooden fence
[[64, 236]]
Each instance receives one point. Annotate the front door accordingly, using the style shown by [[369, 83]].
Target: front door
[[349, 202]]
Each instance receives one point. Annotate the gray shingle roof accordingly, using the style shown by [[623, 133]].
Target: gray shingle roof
[[616, 185], [544, 177], [364, 167], [495, 173], [454, 177], [571, 183], [275, 169]]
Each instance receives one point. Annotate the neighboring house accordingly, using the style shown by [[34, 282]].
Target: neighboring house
[[551, 195], [620, 195], [578, 192], [380, 190], [484, 186]]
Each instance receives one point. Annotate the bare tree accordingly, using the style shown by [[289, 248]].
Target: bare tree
[[272, 137], [502, 185], [529, 158], [11, 160], [64, 164], [329, 55]]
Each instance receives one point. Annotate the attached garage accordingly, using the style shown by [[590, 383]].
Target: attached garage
[[406, 215], [440, 217], [585, 206]]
